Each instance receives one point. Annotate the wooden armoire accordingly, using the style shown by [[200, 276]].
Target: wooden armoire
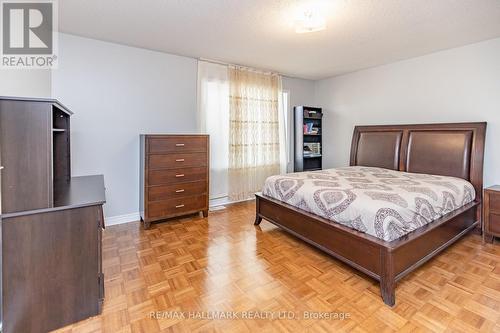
[[51, 223]]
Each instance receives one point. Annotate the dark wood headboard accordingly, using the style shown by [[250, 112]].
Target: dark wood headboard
[[441, 149]]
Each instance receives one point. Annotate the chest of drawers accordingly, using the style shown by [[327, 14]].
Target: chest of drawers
[[174, 176], [491, 213]]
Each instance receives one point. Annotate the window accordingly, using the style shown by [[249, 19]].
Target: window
[[213, 105]]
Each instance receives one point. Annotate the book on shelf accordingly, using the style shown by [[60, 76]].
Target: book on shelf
[[309, 128], [312, 149]]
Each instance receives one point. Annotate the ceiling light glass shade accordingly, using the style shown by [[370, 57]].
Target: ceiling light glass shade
[[309, 22]]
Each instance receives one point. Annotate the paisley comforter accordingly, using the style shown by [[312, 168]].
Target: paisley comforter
[[383, 203]]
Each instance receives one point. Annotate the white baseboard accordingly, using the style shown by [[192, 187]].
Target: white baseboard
[[225, 201], [120, 219], [134, 217], [218, 202]]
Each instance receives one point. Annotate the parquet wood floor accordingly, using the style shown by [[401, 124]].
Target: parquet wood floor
[[224, 263]]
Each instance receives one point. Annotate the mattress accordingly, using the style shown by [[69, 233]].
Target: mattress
[[383, 203]]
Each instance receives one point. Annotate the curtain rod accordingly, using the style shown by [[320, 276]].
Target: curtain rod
[[217, 62]]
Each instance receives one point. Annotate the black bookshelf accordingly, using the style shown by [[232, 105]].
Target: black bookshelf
[[308, 138]]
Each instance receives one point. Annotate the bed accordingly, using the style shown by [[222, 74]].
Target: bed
[[409, 193]]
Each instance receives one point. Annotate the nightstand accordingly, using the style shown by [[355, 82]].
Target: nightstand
[[491, 213]]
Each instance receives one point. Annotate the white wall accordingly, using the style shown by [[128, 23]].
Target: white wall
[[461, 84], [116, 93], [301, 91], [25, 82]]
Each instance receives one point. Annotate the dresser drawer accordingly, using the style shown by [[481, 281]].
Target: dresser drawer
[[179, 144], [494, 224], [177, 160], [180, 190], [178, 206], [494, 201], [175, 176]]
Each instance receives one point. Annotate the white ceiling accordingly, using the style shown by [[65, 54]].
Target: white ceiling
[[259, 33]]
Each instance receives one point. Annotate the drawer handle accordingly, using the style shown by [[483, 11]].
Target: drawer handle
[[179, 175], [179, 145], [180, 160], [179, 206], [179, 191]]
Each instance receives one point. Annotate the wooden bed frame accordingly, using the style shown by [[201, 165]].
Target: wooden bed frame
[[441, 149]]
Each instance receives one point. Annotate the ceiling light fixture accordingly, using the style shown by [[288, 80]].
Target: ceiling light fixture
[[309, 21]]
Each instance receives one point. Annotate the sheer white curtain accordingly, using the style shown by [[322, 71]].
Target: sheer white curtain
[[255, 152], [242, 112], [213, 109]]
